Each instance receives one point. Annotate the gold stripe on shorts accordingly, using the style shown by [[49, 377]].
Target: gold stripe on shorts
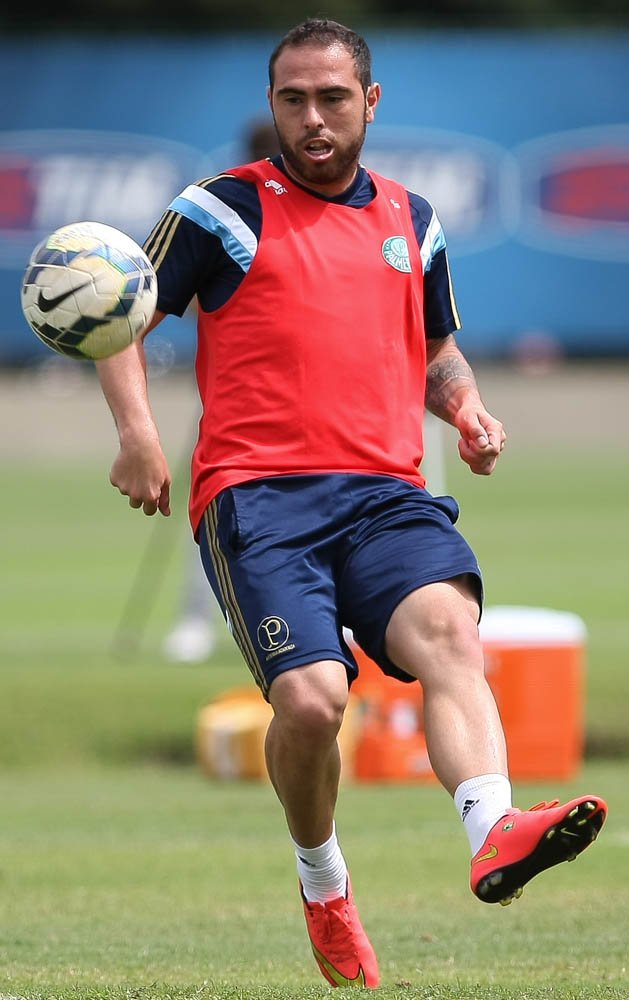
[[239, 627]]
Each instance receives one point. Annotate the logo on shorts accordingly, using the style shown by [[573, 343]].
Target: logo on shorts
[[273, 633], [395, 252]]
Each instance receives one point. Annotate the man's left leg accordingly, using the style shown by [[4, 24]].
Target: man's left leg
[[433, 635]]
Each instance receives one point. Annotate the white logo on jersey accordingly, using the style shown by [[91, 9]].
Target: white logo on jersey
[[277, 187]]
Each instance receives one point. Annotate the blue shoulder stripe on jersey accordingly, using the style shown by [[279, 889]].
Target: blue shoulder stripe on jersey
[[436, 240], [430, 235], [231, 244]]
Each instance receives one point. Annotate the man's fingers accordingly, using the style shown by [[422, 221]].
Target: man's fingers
[[497, 440], [164, 501], [149, 507], [490, 441], [481, 463]]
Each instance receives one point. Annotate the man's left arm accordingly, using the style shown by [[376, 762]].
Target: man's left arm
[[452, 394]]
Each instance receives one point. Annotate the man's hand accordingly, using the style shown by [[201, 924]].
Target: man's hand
[[140, 470], [452, 394], [141, 473], [482, 439]]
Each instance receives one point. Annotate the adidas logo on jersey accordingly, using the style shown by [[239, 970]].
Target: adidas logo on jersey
[[276, 186]]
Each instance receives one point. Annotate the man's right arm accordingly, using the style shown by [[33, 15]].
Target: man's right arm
[[187, 253], [140, 470]]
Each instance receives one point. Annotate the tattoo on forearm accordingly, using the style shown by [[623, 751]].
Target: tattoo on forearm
[[443, 377]]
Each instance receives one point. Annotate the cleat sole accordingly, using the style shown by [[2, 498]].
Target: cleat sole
[[509, 899], [563, 841]]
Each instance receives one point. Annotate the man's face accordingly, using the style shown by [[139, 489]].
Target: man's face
[[320, 114]]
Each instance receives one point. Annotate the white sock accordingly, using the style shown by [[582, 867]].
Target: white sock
[[322, 870], [480, 803]]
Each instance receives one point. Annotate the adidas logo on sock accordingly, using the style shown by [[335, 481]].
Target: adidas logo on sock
[[468, 805]]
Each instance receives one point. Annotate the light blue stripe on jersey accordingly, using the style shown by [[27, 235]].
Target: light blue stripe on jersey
[[213, 215], [433, 242]]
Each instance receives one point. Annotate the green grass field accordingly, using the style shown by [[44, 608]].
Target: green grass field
[[124, 873], [149, 881]]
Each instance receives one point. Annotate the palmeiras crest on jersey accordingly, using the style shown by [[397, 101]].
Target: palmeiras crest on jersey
[[395, 252]]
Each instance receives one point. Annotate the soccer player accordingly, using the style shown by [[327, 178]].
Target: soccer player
[[326, 322]]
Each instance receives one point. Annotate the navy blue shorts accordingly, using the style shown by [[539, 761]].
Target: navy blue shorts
[[294, 559]]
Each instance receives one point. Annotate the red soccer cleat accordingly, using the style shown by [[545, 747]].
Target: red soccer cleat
[[340, 946], [524, 843]]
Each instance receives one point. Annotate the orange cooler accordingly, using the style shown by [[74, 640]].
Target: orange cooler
[[535, 664]]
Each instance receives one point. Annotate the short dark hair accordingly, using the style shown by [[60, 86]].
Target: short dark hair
[[322, 32]]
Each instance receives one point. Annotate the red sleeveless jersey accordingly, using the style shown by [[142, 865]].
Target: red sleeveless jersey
[[317, 363]]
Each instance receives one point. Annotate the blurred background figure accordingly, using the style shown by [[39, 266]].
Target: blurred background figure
[[195, 631], [193, 636]]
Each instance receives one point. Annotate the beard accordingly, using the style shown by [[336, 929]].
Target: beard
[[342, 164]]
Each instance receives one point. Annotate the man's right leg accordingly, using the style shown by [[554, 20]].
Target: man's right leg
[[304, 766], [264, 547], [302, 753]]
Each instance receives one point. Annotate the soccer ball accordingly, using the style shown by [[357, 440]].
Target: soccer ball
[[89, 291]]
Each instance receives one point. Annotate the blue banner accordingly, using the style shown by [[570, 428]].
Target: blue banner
[[520, 142]]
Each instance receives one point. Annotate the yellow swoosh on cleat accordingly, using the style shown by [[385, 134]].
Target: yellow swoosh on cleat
[[337, 976], [491, 853]]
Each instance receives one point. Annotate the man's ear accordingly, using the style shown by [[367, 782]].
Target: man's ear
[[373, 95]]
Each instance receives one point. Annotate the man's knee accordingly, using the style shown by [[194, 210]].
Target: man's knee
[[311, 700], [434, 631], [453, 630]]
